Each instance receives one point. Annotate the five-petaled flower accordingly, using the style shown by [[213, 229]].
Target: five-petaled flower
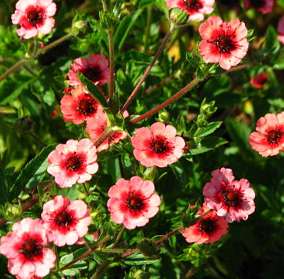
[[269, 138], [34, 16], [158, 146], [79, 106], [195, 8], [232, 199], [95, 68], [264, 6], [73, 162], [24, 248], [208, 229], [133, 202], [259, 80], [224, 42], [65, 221]]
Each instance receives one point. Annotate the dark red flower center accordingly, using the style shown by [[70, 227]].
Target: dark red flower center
[[34, 16], [223, 43], [92, 74], [134, 202], [160, 145], [257, 3], [87, 106], [63, 219], [193, 5], [31, 248], [73, 163], [206, 225], [231, 197], [274, 136]]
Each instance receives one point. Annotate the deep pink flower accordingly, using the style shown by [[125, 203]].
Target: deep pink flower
[[224, 42], [65, 222], [230, 198], [95, 68], [34, 16], [24, 248], [79, 106], [280, 30], [158, 146], [195, 8], [264, 6], [208, 229], [269, 138], [96, 127], [73, 162], [259, 80], [133, 202]]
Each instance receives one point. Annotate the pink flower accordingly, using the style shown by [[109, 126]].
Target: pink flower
[[133, 202], [195, 8], [280, 30], [73, 162], [224, 42], [264, 6], [95, 68], [79, 106], [96, 127], [158, 146], [65, 222], [34, 16], [259, 80], [208, 229], [230, 198], [269, 138], [24, 248]]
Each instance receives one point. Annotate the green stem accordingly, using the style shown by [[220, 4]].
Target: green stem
[[147, 70], [36, 138], [102, 268], [110, 250], [119, 237], [86, 189], [107, 132], [111, 66], [148, 27], [168, 102]]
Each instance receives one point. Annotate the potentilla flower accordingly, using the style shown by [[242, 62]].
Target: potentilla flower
[[34, 16], [133, 202], [259, 80], [208, 229], [73, 162], [24, 248], [269, 138], [224, 42], [158, 146], [280, 30], [264, 6], [79, 106], [95, 68], [195, 8], [96, 127], [230, 198], [65, 221]]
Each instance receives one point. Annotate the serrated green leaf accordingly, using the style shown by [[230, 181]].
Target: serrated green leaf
[[3, 188], [209, 129], [207, 144], [193, 60], [139, 259], [32, 174], [66, 259]]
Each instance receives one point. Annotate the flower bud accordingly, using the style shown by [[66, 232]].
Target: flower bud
[[177, 16], [141, 274], [23, 124], [147, 247], [208, 109], [79, 28]]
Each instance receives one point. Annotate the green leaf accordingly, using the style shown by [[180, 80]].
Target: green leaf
[[209, 129], [139, 259], [229, 99], [93, 90], [179, 172], [116, 8], [271, 42], [3, 188], [192, 59], [207, 144], [145, 3], [134, 56], [66, 259], [32, 174]]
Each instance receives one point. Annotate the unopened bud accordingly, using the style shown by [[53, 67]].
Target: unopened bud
[[141, 274], [79, 28], [178, 16], [23, 124], [208, 109], [147, 247]]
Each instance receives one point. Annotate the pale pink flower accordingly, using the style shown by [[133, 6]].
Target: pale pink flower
[[79, 106], [73, 162], [259, 80], [230, 198], [24, 248], [208, 229], [158, 146], [269, 138], [224, 42], [195, 8], [65, 221], [133, 202], [264, 6], [280, 30], [96, 127], [34, 16], [95, 68]]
